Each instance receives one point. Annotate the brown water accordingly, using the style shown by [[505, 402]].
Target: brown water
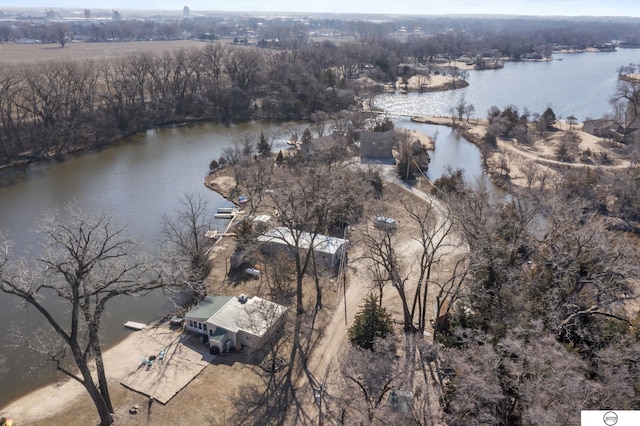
[[137, 180]]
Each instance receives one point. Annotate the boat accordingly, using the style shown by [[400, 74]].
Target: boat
[[243, 199]]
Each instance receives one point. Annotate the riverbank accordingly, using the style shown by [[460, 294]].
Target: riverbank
[[121, 361], [430, 83], [511, 165]]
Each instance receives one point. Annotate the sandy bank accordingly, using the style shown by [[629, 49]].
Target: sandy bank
[[122, 362]]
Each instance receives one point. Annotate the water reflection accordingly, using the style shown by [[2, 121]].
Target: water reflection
[[137, 180], [453, 152], [580, 85]]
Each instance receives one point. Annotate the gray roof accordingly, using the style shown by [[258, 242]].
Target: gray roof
[[321, 243], [377, 137], [208, 307], [254, 316]]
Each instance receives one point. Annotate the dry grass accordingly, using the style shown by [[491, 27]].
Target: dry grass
[[16, 54]]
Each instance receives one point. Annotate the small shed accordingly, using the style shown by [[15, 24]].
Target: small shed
[[400, 400]]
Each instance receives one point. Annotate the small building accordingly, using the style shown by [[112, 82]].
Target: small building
[[232, 322], [377, 145], [322, 146], [604, 128], [400, 400], [328, 249]]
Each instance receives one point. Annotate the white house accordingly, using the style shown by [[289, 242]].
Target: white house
[[233, 322], [328, 249]]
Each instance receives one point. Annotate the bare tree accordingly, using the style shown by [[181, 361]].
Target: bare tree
[[312, 199], [369, 374], [435, 229], [381, 251], [626, 104], [86, 261], [279, 274], [434, 238], [473, 390], [242, 66], [186, 245], [461, 110], [592, 268], [449, 291], [59, 32], [254, 178]]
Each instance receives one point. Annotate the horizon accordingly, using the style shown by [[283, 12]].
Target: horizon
[[532, 8]]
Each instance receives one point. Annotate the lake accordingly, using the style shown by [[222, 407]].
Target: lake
[[578, 84]]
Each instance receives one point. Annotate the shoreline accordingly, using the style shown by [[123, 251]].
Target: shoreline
[[121, 361], [55, 397]]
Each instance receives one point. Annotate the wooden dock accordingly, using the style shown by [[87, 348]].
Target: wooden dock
[[135, 325], [226, 213]]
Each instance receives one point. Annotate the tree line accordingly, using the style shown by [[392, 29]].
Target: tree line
[[510, 35], [51, 109], [58, 107]]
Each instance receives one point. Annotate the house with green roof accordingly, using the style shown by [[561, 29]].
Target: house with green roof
[[233, 322]]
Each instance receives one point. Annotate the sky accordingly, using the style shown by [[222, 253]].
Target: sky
[[421, 7]]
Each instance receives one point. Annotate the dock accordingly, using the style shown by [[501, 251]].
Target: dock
[[135, 325], [226, 213]]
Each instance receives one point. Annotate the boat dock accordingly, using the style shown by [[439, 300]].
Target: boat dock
[[226, 212], [135, 325]]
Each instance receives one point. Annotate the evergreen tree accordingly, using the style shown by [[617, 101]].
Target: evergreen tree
[[548, 118], [264, 147], [370, 323], [306, 136]]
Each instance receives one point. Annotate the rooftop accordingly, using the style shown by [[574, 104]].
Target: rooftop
[[254, 316], [321, 243], [208, 307]]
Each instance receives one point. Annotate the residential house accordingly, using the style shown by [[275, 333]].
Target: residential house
[[377, 145], [233, 322], [323, 146], [604, 128], [613, 130]]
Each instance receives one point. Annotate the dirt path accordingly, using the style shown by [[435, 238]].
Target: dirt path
[[509, 146], [326, 352]]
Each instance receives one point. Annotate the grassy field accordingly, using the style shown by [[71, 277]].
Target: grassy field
[[15, 54]]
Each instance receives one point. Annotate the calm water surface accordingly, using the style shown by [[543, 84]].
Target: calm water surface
[[144, 177], [578, 84], [137, 180]]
